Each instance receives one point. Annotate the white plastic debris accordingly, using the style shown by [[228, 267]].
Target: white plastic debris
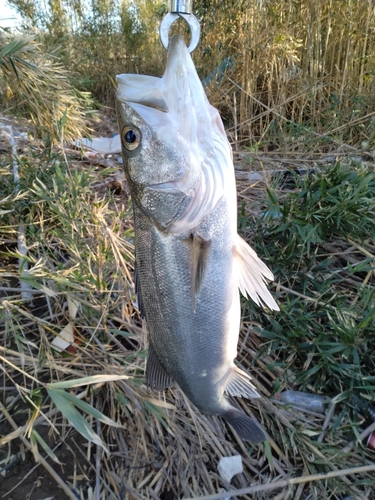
[[102, 145], [73, 306], [65, 339], [229, 467]]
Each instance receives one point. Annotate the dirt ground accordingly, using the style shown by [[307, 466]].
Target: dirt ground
[[22, 478]]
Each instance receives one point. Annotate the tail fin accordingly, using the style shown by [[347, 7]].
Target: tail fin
[[245, 427]]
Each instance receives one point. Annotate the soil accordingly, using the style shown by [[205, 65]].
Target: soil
[[22, 478]]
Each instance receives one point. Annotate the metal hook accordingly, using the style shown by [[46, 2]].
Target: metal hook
[[183, 9]]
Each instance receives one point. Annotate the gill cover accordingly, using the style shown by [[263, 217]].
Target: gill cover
[[183, 146]]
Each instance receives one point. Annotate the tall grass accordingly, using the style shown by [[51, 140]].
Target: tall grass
[[35, 85], [298, 66]]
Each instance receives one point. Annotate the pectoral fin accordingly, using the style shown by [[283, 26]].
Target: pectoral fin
[[251, 274], [157, 377], [238, 384], [200, 250]]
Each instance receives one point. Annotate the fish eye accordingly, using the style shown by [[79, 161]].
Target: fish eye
[[130, 138]]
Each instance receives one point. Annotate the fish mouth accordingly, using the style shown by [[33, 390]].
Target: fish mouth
[[145, 90], [141, 89]]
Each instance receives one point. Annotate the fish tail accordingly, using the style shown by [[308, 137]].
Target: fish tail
[[245, 426]]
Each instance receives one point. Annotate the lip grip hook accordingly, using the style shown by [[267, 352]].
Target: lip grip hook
[[192, 21]]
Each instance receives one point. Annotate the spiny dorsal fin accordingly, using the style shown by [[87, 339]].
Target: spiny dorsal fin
[[199, 255], [245, 426], [238, 384], [157, 377], [251, 274]]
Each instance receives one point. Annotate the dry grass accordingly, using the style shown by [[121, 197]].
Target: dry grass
[[79, 236], [298, 68]]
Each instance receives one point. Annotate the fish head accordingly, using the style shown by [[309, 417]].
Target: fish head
[[149, 159], [174, 145]]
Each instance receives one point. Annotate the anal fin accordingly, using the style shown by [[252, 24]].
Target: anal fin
[[251, 274], [199, 255], [157, 377], [239, 384], [245, 426]]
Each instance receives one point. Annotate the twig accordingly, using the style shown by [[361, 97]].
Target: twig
[[19, 370], [18, 290], [288, 482], [361, 249], [330, 413], [235, 120], [300, 489]]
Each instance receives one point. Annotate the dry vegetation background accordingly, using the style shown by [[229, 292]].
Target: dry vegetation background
[[295, 83]]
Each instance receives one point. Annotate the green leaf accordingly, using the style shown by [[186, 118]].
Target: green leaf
[[82, 405], [35, 438], [16, 45], [268, 453], [157, 413], [74, 417], [122, 333]]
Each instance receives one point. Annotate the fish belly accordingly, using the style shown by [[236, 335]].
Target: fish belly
[[196, 347]]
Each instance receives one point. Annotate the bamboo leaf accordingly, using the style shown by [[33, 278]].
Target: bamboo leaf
[[74, 417], [93, 379], [35, 437], [82, 405], [16, 45]]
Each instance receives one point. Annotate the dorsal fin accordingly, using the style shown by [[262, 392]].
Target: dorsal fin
[[200, 250], [251, 274], [157, 377]]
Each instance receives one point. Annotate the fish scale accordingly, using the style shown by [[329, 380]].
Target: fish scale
[[190, 261]]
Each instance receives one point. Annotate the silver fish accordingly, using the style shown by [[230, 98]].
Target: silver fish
[[191, 263]]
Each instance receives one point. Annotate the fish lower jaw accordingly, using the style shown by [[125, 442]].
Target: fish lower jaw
[[165, 187], [176, 186]]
